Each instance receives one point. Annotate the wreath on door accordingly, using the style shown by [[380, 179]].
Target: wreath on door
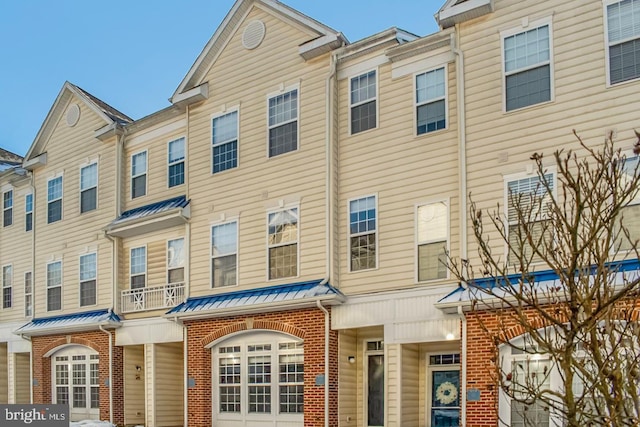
[[446, 393]]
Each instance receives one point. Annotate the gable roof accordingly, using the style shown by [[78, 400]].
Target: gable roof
[[229, 25], [109, 114]]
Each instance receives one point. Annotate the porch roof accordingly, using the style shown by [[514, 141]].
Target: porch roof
[[151, 217], [271, 298], [77, 322]]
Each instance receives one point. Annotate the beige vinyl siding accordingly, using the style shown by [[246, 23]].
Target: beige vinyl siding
[[392, 384], [259, 183], [403, 170], [155, 141], [169, 385], [134, 381], [347, 374], [69, 148], [502, 143], [410, 386], [22, 363], [4, 370]]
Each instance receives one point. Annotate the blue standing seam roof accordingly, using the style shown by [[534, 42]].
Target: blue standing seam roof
[[76, 319], [278, 293], [153, 208]]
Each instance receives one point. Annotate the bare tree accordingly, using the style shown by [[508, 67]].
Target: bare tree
[[578, 356]]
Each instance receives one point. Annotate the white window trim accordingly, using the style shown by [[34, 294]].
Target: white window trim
[[607, 46], [237, 252], [365, 379], [429, 380], [505, 188], [61, 198], [4, 286], [27, 212], [46, 271], [524, 26], [146, 266], [170, 163], [282, 91], [28, 294], [224, 112], [280, 209], [445, 97], [10, 190], [146, 172], [184, 261], [88, 188], [447, 202], [80, 281], [376, 99], [377, 232], [70, 351]]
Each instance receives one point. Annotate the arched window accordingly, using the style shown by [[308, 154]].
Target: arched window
[[75, 380]]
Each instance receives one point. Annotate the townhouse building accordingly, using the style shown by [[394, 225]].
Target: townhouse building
[[271, 248]]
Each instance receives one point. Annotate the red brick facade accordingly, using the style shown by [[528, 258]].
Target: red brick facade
[[307, 324], [96, 340]]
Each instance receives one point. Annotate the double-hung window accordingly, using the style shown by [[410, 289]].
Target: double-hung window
[[363, 233], [224, 138], [54, 200], [430, 101], [54, 286], [88, 276], [283, 243], [176, 162], [623, 40], [7, 286], [175, 261], [362, 99], [28, 212], [283, 123], [138, 268], [630, 218], [433, 235], [88, 188], [7, 208], [28, 294], [139, 175], [224, 254], [527, 67], [527, 202]]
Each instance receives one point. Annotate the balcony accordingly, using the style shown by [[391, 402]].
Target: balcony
[[152, 298]]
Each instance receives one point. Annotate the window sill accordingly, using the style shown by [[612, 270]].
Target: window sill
[[529, 107]]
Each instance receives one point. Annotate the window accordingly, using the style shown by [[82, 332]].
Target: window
[[28, 212], [54, 286], [433, 235], [224, 130], [139, 175], [283, 123], [262, 375], [7, 208], [623, 39], [54, 200], [362, 233], [176, 162], [362, 100], [430, 101], [88, 188], [175, 261], [630, 218], [88, 275], [7, 286], [224, 254], [138, 268], [527, 67], [28, 294], [283, 243], [75, 372], [529, 196]]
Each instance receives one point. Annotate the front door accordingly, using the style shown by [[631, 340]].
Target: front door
[[75, 382], [375, 383], [445, 398]]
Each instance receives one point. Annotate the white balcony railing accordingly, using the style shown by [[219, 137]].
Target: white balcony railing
[[152, 298]]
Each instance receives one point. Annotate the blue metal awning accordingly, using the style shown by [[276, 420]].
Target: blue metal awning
[[272, 298], [151, 217], [77, 322], [465, 296]]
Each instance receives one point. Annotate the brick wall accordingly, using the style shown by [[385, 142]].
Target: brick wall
[[307, 324], [98, 341]]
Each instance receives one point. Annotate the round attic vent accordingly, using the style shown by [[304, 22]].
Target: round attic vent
[[253, 34], [73, 114]]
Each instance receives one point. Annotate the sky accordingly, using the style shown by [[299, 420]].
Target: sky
[[133, 54]]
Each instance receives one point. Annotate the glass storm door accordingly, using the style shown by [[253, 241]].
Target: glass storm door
[[445, 398], [375, 390]]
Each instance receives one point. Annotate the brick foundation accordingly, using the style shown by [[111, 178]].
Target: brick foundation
[[307, 324]]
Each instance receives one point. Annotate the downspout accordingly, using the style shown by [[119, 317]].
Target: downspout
[[187, 287], [110, 371], [462, 177], [33, 276]]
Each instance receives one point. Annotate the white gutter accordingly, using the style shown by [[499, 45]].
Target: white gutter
[[110, 372]]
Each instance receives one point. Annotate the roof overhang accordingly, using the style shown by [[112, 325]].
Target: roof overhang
[[321, 45], [191, 96], [35, 162], [455, 12], [79, 322], [151, 223], [108, 131]]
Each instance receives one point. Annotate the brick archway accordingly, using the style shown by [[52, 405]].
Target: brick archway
[[251, 325]]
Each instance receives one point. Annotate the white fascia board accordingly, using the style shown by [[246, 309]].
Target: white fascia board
[[459, 10], [35, 162], [57, 330], [197, 94], [125, 229], [320, 45], [108, 131]]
